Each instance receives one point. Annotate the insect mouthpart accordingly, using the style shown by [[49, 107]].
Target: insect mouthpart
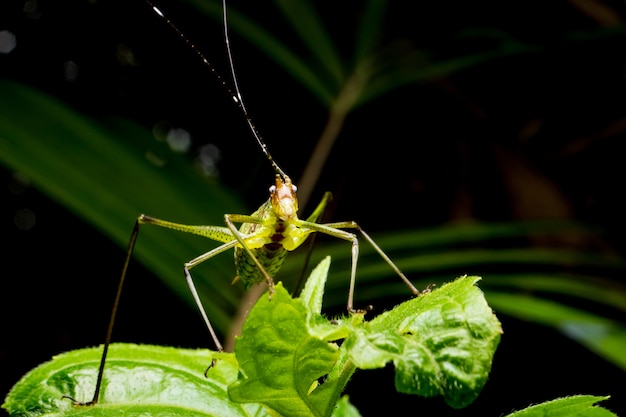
[[284, 200]]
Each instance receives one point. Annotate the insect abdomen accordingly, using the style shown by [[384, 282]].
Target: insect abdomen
[[271, 256]]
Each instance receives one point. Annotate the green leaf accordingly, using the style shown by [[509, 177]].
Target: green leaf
[[288, 360], [579, 405], [311, 296], [138, 380], [281, 362], [441, 343], [345, 409], [313, 292]]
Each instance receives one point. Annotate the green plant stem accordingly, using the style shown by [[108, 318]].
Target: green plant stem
[[337, 113]]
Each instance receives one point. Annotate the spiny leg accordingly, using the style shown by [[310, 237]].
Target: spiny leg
[[305, 228]]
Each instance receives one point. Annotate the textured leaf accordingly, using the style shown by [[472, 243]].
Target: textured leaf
[[138, 380], [345, 409], [441, 343], [288, 359], [281, 362], [313, 291], [576, 406]]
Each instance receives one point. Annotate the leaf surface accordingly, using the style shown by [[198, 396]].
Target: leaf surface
[[575, 406], [139, 380], [441, 343]]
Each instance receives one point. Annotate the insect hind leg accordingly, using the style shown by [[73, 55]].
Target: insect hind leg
[[109, 333], [335, 229], [354, 225], [386, 258]]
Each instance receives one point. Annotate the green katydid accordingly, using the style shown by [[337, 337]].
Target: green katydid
[[264, 238]]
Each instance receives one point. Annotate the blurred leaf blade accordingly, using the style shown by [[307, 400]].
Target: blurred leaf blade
[[463, 249], [369, 28], [370, 269], [605, 337], [584, 287], [100, 171], [270, 45], [303, 18]]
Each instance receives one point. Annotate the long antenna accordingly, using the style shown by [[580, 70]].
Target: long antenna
[[236, 95]]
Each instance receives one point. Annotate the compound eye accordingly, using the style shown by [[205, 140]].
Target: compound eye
[[272, 189], [294, 188]]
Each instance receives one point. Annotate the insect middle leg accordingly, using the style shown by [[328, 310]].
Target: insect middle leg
[[231, 238]]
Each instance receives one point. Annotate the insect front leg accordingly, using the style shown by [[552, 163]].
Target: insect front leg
[[220, 234], [230, 219], [306, 228]]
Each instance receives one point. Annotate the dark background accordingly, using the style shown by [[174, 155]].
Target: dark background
[[530, 135]]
